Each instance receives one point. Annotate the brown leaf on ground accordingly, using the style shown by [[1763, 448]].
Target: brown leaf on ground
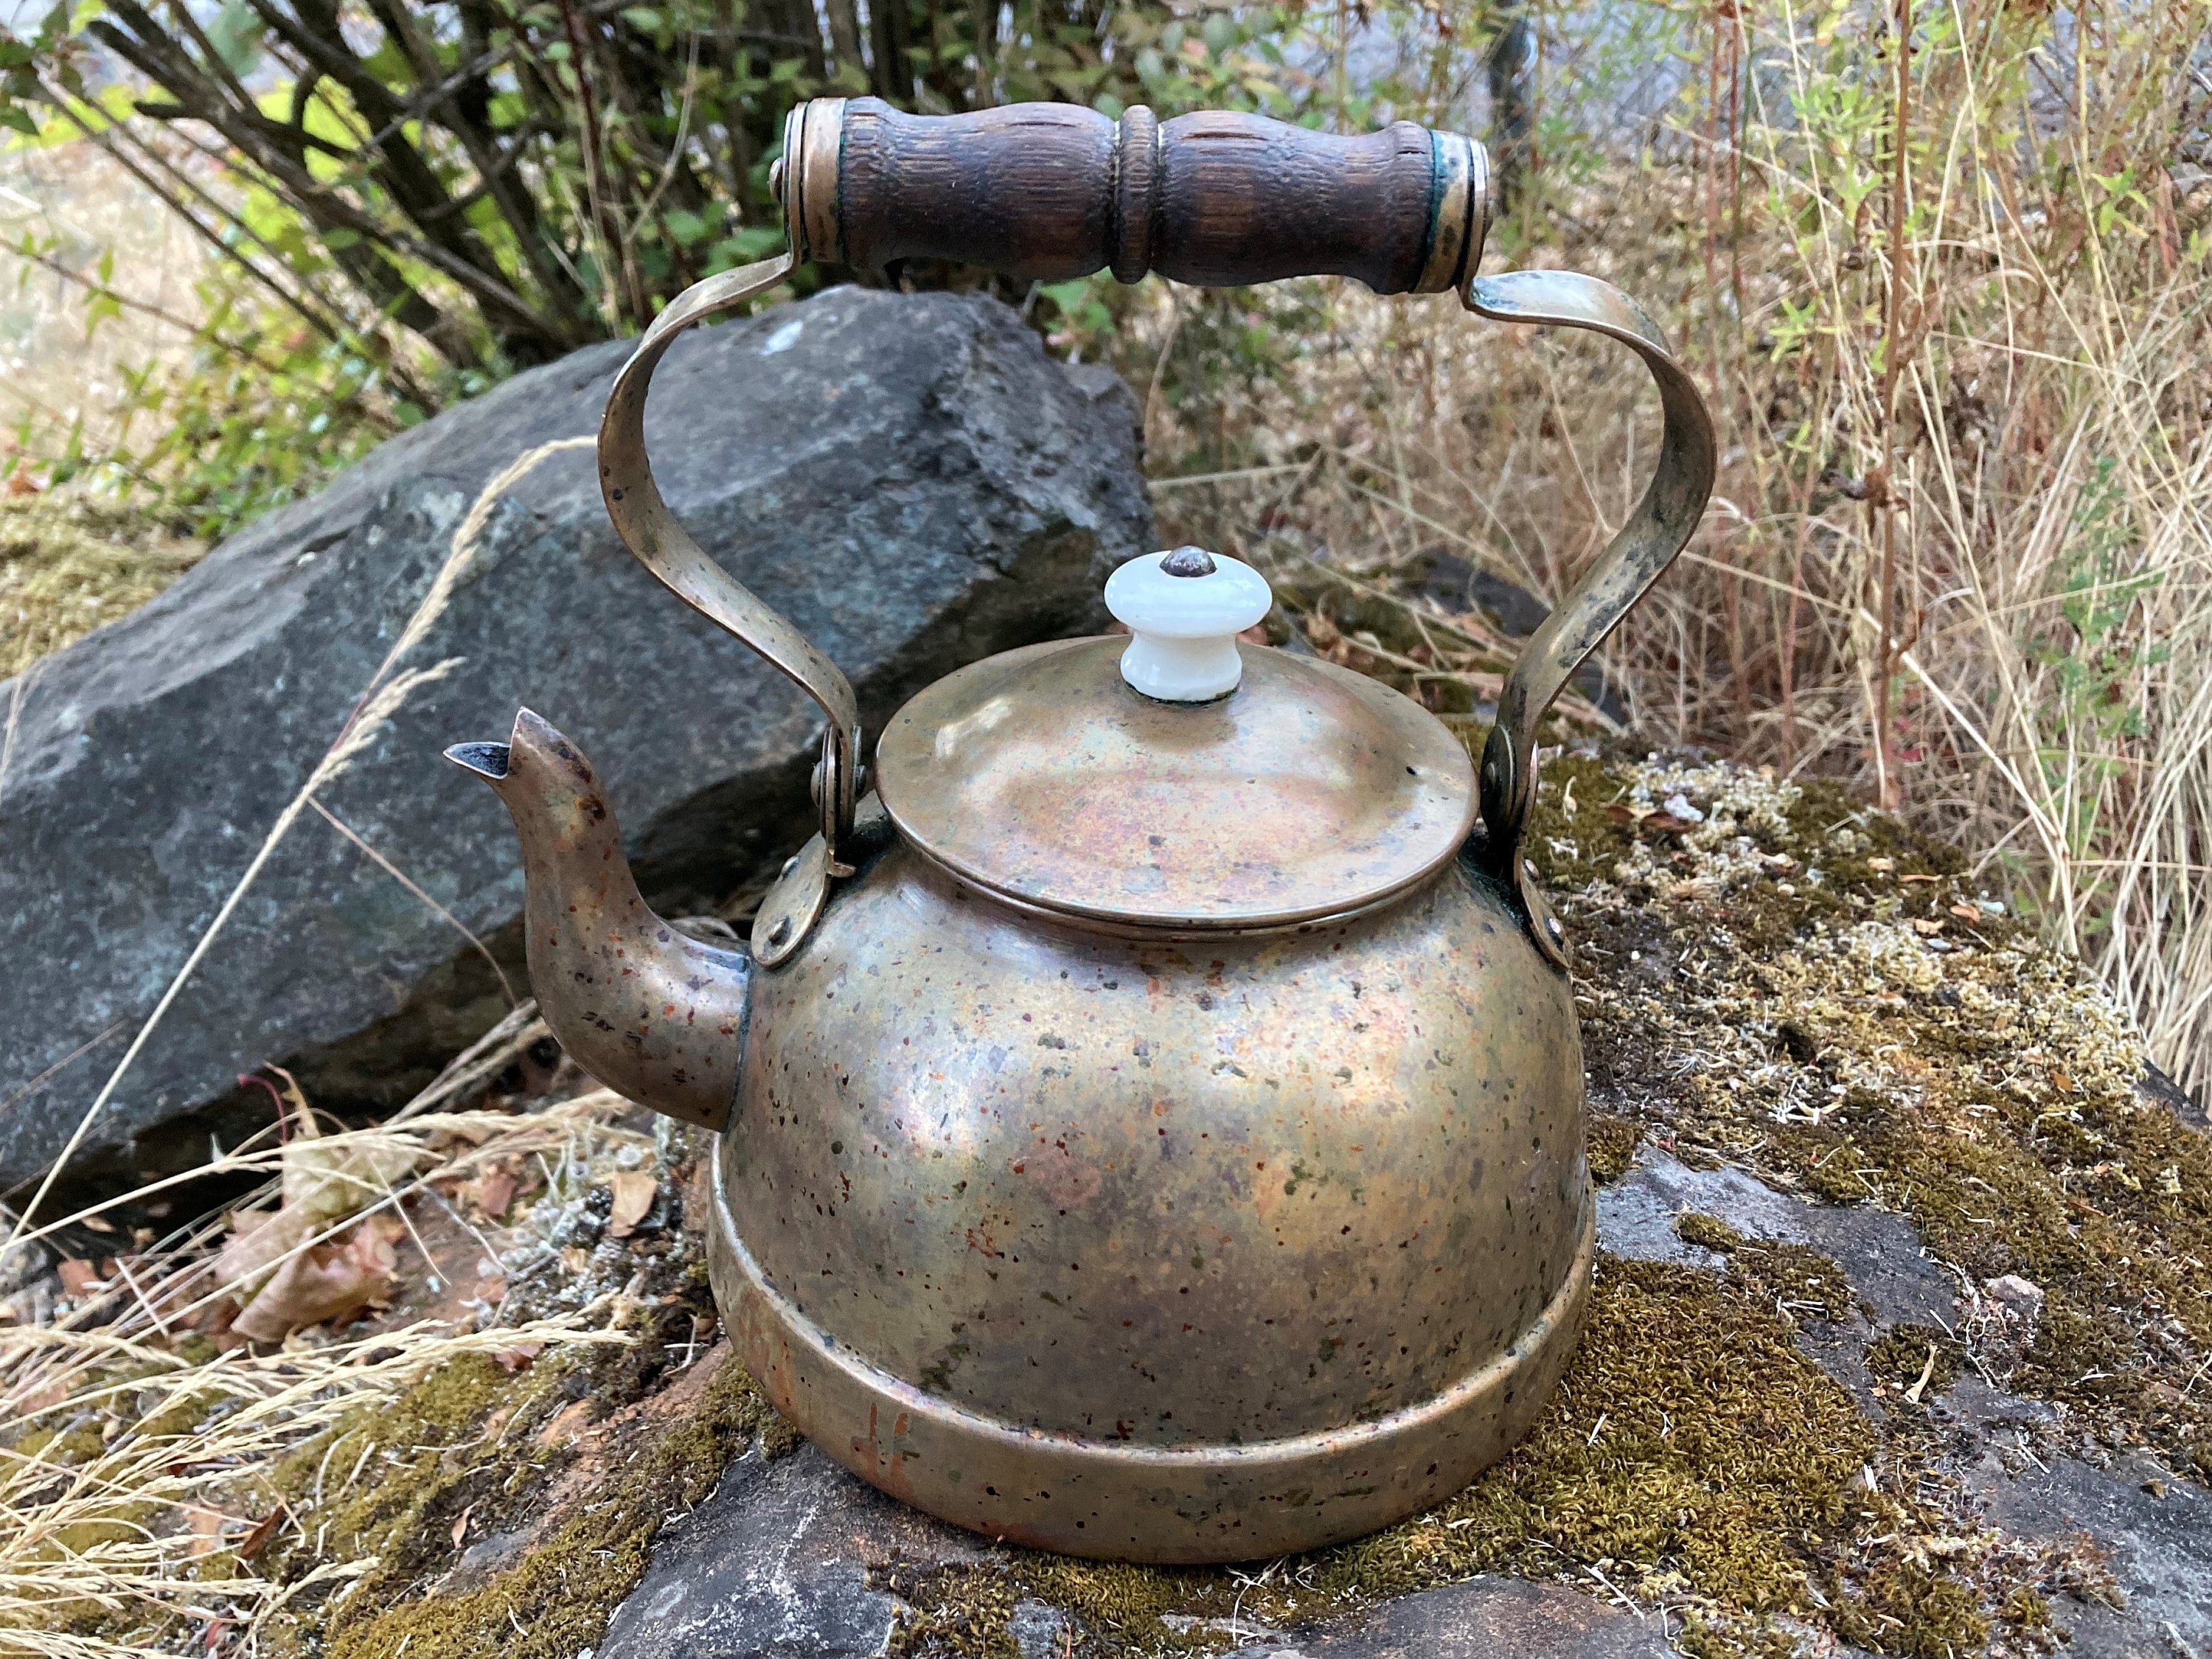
[[329, 1179], [264, 1529], [323, 1282], [1658, 823], [635, 1191], [79, 1276], [259, 1239], [513, 1359], [495, 1191]]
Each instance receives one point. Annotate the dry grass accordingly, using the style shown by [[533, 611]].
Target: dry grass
[[83, 215], [71, 561], [144, 1451], [99, 1527], [1989, 434]]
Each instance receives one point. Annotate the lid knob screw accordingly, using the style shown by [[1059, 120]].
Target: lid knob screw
[[1184, 610]]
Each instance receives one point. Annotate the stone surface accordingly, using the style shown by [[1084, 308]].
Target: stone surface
[[910, 479], [2154, 1530], [775, 1566], [1489, 1618]]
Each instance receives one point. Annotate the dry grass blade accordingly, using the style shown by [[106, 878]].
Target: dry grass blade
[[142, 1476], [1959, 549], [380, 699]]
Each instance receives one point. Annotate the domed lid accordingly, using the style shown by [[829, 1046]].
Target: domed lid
[[1240, 787]]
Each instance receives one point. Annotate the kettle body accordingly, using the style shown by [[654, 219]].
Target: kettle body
[[1156, 1249]]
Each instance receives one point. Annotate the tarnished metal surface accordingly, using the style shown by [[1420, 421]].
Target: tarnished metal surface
[[1171, 1149], [1165, 1251], [646, 1010], [1646, 544], [790, 909], [664, 547], [1309, 791], [1461, 219]]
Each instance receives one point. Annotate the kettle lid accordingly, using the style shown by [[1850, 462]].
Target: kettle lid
[[1179, 778]]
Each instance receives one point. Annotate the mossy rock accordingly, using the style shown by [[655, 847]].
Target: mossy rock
[[1863, 1076]]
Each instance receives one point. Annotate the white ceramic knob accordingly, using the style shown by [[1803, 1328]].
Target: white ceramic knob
[[1184, 610]]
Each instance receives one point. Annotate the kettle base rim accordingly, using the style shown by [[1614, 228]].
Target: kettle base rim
[[1207, 1504]]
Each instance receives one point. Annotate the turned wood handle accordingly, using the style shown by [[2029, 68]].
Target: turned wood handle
[[1046, 192]]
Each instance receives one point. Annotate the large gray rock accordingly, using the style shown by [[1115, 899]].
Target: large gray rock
[[910, 479]]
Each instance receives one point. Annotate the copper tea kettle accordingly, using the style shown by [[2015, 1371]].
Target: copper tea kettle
[[1150, 1116]]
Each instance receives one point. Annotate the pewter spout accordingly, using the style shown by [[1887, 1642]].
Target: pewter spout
[[650, 1012]]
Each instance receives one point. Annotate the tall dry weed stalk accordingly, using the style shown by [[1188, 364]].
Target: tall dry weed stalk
[[387, 691], [1958, 553]]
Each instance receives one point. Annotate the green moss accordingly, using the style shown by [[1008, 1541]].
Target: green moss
[[961, 1613], [1901, 1355], [1690, 1441], [1613, 1140], [1708, 1232], [556, 1599], [393, 1458], [1903, 1607], [1690, 1433], [1841, 1012]]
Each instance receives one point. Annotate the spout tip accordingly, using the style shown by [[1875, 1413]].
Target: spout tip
[[487, 760]]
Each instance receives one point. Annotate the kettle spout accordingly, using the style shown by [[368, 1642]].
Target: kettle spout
[[650, 1012]]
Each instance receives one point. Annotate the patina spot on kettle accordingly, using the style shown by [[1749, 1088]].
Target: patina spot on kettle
[[1150, 1109]]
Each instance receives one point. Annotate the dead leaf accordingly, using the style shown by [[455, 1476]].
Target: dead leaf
[[461, 1525], [328, 1179], [321, 1283], [1966, 913], [1907, 881], [207, 1531], [79, 1276], [495, 1192], [1882, 866], [259, 1240], [513, 1359], [635, 1191], [264, 1529], [1927, 927]]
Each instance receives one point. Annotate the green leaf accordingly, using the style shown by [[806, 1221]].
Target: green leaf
[[685, 227]]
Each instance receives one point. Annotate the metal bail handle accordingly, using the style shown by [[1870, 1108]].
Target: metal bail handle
[[664, 547], [1656, 531], [1050, 190]]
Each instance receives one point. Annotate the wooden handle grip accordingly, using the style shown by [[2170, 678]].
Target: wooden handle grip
[[1048, 191]]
